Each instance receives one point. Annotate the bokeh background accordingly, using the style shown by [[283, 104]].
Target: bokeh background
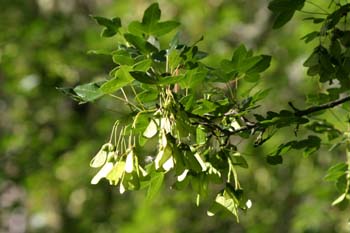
[[47, 140]]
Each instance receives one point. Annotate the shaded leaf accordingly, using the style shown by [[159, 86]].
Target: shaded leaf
[[274, 160], [151, 14], [111, 25], [140, 43]]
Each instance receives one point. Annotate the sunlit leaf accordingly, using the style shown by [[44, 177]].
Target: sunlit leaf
[[88, 92], [122, 57], [201, 136], [121, 79], [143, 65], [155, 184], [336, 171]]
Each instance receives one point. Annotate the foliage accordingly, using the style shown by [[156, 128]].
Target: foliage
[[47, 141], [193, 112]]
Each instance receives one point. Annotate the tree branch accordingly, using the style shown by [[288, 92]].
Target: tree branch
[[318, 108]]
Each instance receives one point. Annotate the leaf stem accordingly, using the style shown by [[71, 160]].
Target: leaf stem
[[115, 126], [125, 101], [136, 97]]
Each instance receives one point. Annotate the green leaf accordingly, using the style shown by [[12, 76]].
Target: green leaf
[[284, 10], [111, 25], [286, 5], [163, 28], [345, 39], [131, 181], [251, 77], [141, 122], [310, 36], [148, 96], [183, 125], [143, 77], [326, 63], [225, 202], [187, 101], [282, 18], [335, 48], [88, 92], [140, 43], [205, 106], [170, 79], [315, 20], [200, 161], [68, 91], [313, 60], [238, 56], [182, 183], [122, 78], [143, 65], [191, 162], [238, 160], [248, 63], [201, 136], [174, 58], [122, 57], [261, 66], [336, 171], [136, 28], [151, 14], [274, 160], [155, 184], [193, 78]]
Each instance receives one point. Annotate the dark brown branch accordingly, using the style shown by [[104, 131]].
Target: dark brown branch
[[255, 126], [318, 108], [297, 112]]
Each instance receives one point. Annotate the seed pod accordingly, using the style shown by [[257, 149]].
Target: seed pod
[[104, 171], [101, 157], [129, 163]]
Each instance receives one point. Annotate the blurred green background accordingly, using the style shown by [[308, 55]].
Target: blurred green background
[[47, 140]]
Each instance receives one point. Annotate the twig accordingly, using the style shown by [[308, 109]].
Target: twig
[[300, 113], [126, 102]]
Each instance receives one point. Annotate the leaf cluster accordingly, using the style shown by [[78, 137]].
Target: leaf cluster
[[191, 110]]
